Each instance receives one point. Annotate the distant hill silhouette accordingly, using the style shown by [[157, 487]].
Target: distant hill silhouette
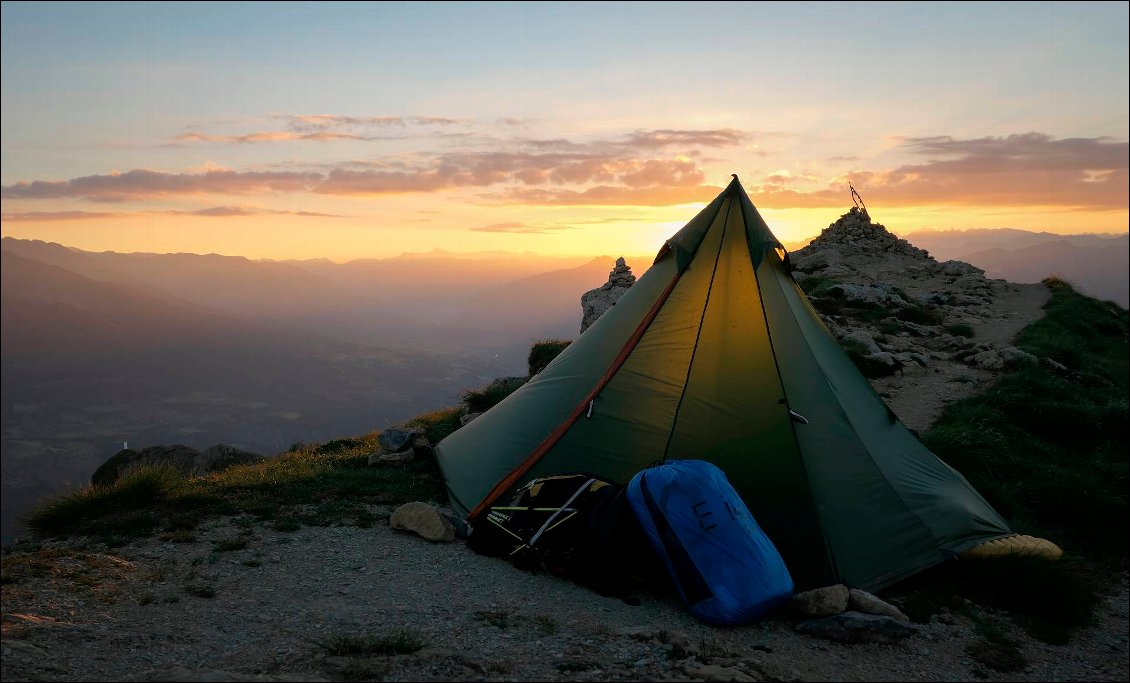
[[1097, 264]]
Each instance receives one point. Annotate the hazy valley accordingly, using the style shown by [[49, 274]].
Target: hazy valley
[[102, 348]]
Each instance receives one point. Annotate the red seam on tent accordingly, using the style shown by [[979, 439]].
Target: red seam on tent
[[555, 436]]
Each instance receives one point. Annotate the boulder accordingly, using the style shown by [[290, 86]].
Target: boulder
[[862, 601], [396, 439], [184, 459], [595, 302], [857, 627], [423, 520], [821, 602]]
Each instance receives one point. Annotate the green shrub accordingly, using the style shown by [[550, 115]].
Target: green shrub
[[482, 400], [920, 315], [960, 330], [816, 285], [396, 642], [1049, 450], [144, 500], [543, 351], [138, 488], [438, 423], [1048, 598]]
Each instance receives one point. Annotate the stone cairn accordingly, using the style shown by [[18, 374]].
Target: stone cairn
[[595, 302]]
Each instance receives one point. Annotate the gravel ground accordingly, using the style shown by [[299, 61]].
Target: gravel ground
[[141, 612]]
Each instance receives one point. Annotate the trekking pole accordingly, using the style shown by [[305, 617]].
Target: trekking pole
[[858, 201]]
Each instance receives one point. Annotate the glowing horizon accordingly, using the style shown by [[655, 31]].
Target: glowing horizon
[[364, 131]]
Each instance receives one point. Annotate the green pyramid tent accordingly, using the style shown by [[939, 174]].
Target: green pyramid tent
[[716, 354]]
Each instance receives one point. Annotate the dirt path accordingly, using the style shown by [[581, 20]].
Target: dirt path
[[920, 399], [479, 618]]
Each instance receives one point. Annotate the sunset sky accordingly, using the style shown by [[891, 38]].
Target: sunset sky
[[290, 130]]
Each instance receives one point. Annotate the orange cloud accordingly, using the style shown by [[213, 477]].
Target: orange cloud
[[1015, 170], [45, 216], [607, 195], [719, 137], [142, 183], [210, 212], [269, 136]]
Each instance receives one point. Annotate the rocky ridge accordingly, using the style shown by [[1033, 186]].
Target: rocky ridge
[[595, 302], [910, 322]]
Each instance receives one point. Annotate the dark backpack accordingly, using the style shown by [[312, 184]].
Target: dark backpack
[[575, 525]]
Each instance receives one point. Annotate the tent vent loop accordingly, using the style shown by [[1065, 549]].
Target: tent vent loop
[[589, 413]]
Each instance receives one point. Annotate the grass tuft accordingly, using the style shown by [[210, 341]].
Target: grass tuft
[[135, 490], [437, 424], [483, 399], [544, 351], [1049, 450], [396, 642], [960, 330]]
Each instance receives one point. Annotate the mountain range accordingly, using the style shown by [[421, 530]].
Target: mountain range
[[102, 348]]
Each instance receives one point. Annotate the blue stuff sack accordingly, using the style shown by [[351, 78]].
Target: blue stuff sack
[[726, 569]]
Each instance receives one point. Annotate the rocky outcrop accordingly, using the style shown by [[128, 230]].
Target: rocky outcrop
[[595, 302], [396, 439], [184, 459], [399, 445]]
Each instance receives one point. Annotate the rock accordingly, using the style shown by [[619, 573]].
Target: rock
[[821, 602], [1014, 356], [396, 439], [865, 294], [643, 633], [863, 338], [862, 601], [595, 302], [467, 418], [1055, 365], [383, 457], [179, 673], [810, 261], [462, 531], [424, 520], [987, 357], [855, 229], [188, 461], [857, 627], [714, 672], [958, 268], [22, 647]]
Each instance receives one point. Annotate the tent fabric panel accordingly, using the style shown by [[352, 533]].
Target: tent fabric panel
[[734, 414], [685, 243], [863, 464], [760, 238], [479, 454], [631, 418]]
